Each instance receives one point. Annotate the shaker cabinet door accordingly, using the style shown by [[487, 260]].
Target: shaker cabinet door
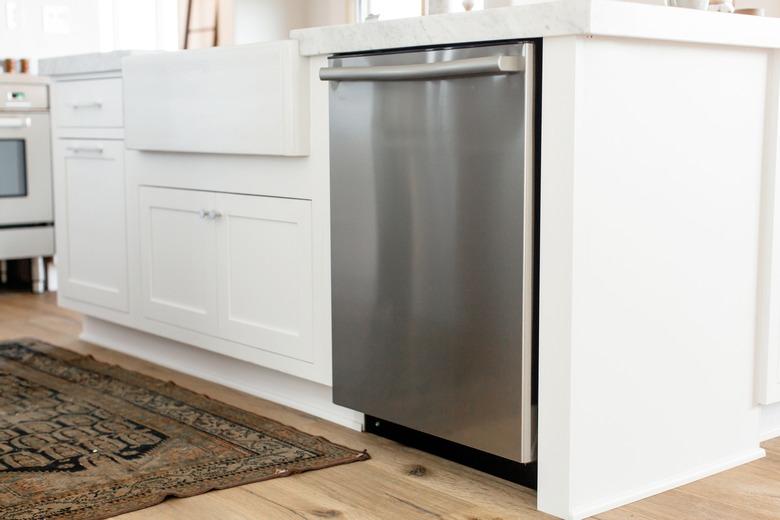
[[265, 273], [91, 222], [178, 258]]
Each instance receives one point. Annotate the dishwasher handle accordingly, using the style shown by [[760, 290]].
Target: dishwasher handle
[[487, 66]]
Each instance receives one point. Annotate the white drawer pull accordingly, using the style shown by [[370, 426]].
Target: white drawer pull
[[85, 149], [86, 104]]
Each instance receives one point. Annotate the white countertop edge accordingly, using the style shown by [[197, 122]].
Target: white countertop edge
[[631, 20], [85, 63], [544, 19]]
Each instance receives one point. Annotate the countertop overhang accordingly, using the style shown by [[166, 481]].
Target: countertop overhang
[[545, 18]]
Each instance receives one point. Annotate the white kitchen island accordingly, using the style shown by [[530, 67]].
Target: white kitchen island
[[658, 323]]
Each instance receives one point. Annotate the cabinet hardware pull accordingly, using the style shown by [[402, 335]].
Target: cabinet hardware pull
[[487, 66], [86, 104], [207, 214], [85, 149]]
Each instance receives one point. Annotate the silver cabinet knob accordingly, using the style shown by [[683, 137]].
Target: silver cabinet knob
[[209, 214]]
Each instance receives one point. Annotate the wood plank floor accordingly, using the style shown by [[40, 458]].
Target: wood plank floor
[[398, 482]]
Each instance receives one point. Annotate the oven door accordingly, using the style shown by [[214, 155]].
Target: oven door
[[25, 169]]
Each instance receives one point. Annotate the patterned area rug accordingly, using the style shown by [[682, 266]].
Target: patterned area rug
[[80, 439]]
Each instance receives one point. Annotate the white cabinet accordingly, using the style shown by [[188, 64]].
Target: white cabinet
[[237, 267], [89, 180], [178, 258]]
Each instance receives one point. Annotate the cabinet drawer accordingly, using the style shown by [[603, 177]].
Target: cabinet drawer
[[92, 103]]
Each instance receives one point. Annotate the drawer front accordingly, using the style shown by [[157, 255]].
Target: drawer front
[[93, 103], [213, 101]]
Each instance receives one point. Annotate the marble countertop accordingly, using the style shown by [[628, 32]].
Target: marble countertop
[[84, 63], [545, 18]]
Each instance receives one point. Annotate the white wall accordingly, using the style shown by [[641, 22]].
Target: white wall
[[24, 34], [41, 28], [139, 24]]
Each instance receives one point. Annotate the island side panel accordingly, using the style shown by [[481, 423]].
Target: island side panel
[[559, 105], [647, 351], [768, 334]]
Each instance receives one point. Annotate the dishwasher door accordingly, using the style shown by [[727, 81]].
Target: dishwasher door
[[432, 211]]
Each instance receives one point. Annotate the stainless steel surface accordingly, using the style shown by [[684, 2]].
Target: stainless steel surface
[[209, 214], [432, 249], [38, 271], [529, 410], [486, 65]]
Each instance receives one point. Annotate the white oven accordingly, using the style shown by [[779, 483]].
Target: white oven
[[26, 205], [25, 155]]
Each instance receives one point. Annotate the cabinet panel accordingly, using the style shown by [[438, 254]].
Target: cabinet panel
[[227, 107], [91, 222], [265, 273], [178, 258]]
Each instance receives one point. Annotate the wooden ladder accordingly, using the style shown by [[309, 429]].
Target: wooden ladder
[[213, 29]]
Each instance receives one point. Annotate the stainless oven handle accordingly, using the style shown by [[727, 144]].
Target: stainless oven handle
[[86, 104], [487, 66], [14, 122], [85, 149]]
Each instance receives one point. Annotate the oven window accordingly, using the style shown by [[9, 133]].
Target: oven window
[[13, 168]]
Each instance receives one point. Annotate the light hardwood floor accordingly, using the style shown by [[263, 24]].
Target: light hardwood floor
[[398, 482]]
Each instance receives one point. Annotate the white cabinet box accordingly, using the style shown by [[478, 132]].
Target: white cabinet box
[[91, 221], [251, 99], [237, 267]]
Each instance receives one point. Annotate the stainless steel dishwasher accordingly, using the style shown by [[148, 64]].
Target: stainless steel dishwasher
[[433, 243]]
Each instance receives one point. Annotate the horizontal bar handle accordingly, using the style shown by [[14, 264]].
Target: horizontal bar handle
[[13, 122], [487, 66], [85, 149], [86, 104]]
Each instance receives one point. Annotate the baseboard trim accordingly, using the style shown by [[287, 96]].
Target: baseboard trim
[[769, 434], [300, 394], [671, 483]]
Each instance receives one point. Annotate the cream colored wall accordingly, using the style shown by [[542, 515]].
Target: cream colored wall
[[330, 12], [772, 6], [265, 20]]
